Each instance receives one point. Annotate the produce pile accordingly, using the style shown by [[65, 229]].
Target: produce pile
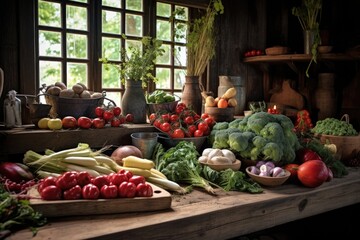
[[260, 135], [333, 126], [159, 96]]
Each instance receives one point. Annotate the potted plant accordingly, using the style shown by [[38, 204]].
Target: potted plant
[[309, 15], [136, 73], [201, 42]]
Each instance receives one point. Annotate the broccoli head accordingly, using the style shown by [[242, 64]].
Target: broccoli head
[[221, 125], [235, 123], [259, 141], [284, 121], [221, 139], [273, 132], [238, 142], [258, 120], [273, 151]]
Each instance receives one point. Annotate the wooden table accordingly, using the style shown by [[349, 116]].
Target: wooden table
[[200, 215]]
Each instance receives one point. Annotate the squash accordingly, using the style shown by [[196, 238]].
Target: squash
[[230, 93]]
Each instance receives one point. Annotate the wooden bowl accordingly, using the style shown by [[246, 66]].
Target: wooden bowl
[[276, 50], [219, 167], [325, 49], [221, 114], [268, 181]]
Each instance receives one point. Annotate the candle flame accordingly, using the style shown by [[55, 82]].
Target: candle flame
[[275, 107]]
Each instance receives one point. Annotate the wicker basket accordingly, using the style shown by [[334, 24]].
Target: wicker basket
[[347, 146]]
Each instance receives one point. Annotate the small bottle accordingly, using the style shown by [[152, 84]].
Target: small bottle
[[12, 110]]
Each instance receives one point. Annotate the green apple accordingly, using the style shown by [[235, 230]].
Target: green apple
[[55, 124], [43, 123]]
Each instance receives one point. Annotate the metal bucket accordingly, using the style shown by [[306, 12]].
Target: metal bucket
[[146, 142]]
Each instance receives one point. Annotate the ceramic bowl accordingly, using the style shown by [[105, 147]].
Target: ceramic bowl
[[169, 142], [219, 167], [163, 107], [268, 181], [276, 50]]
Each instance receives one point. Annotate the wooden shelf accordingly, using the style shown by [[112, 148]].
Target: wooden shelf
[[300, 58]]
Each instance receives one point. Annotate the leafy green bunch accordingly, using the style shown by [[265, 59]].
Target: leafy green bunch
[[309, 14], [138, 63]]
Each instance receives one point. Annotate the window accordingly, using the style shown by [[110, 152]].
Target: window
[[73, 34]]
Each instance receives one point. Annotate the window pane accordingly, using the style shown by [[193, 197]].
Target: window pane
[[49, 72], [111, 48], [133, 25], [49, 44], [179, 78], [114, 96], [133, 44], [76, 46], [163, 76], [111, 22], [83, 1], [110, 77], [180, 56], [184, 13], [112, 3], [163, 31], [165, 58], [76, 18], [180, 32], [163, 9], [76, 73], [49, 14], [136, 5]]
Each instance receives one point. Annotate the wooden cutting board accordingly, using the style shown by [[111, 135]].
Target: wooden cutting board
[[288, 96], [160, 200]]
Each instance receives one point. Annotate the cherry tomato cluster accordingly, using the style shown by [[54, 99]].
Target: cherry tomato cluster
[[183, 123], [111, 115], [303, 121], [74, 185], [17, 187], [253, 53]]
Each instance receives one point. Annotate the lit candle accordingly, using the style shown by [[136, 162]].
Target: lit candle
[[273, 110]]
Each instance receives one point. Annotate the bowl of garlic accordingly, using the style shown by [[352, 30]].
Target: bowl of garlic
[[219, 159]]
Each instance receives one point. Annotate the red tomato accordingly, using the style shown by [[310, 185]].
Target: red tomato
[[117, 178], [137, 179], [306, 154], [48, 181], [165, 117], [127, 189], [292, 168], [84, 122], [99, 111], [116, 111], [189, 120], [90, 191], [83, 178], [157, 123], [129, 118], [108, 115], [181, 104], [258, 52], [152, 117], [174, 118], [178, 133], [109, 191], [313, 173], [204, 115], [144, 190], [100, 181], [51, 192], [98, 123], [253, 53], [69, 122], [198, 133], [192, 129], [179, 109], [210, 121], [203, 126], [115, 122], [165, 127], [73, 193], [67, 180]]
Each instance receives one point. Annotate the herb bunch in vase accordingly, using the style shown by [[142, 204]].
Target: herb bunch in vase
[[136, 73], [309, 15]]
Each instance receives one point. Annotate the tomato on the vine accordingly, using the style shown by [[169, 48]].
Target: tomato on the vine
[[165, 127], [116, 111], [189, 120], [203, 126], [108, 115], [165, 117], [210, 121], [99, 111], [152, 117], [178, 133], [157, 123], [198, 133], [204, 115], [174, 118], [179, 109], [191, 129], [129, 118]]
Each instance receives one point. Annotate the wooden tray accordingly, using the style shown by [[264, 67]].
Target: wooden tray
[[160, 200]]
